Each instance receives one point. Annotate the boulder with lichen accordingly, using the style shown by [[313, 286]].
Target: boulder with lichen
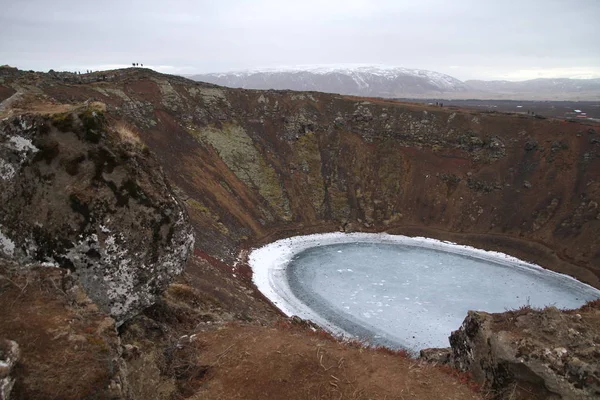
[[529, 353], [76, 196]]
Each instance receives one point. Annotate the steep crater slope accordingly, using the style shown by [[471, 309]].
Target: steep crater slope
[[255, 166]]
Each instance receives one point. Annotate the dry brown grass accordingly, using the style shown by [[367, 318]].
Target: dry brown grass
[[67, 352], [286, 362], [127, 133], [591, 305], [30, 103], [146, 379]]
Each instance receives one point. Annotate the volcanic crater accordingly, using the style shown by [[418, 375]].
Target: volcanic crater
[[253, 167]]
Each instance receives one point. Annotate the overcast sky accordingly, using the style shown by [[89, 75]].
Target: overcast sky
[[468, 39]]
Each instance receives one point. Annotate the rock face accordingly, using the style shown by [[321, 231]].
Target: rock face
[[255, 166], [442, 356], [549, 354], [9, 355], [76, 196]]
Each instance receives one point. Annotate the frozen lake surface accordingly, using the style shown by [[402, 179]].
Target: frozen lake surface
[[399, 291]]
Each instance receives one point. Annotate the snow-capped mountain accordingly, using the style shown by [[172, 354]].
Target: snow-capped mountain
[[397, 82], [354, 80]]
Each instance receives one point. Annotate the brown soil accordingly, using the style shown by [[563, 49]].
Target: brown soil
[[192, 344], [5, 93], [68, 347], [394, 166], [518, 181], [285, 361], [28, 103]]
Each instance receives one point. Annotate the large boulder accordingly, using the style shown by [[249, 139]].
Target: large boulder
[[527, 353], [9, 355], [75, 195]]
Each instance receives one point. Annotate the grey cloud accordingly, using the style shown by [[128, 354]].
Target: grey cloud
[[467, 39]]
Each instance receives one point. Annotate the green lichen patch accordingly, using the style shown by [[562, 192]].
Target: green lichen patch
[[309, 160], [63, 121], [338, 200], [237, 150], [92, 123], [198, 207]]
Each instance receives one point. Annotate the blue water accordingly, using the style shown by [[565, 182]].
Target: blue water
[[413, 297]]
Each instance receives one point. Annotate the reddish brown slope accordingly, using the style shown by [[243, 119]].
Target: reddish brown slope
[[260, 165], [256, 166]]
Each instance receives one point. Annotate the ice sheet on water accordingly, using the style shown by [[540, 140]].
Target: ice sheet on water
[[427, 286]]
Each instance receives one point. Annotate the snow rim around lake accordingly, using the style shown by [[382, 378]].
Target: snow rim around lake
[[269, 266]]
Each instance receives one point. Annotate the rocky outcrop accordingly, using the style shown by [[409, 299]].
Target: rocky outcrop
[[527, 353], [68, 349], [441, 356], [75, 195], [262, 165], [257, 166], [9, 355]]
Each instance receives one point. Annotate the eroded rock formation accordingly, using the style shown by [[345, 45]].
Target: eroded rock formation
[[9, 355], [75, 195], [254, 166], [527, 353]]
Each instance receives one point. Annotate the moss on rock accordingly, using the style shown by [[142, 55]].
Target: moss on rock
[[237, 150]]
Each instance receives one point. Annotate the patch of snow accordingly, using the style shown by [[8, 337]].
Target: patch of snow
[[357, 72]]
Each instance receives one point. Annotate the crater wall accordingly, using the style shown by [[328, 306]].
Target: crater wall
[[254, 166]]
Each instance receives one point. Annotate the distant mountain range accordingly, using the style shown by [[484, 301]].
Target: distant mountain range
[[541, 89], [396, 82]]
